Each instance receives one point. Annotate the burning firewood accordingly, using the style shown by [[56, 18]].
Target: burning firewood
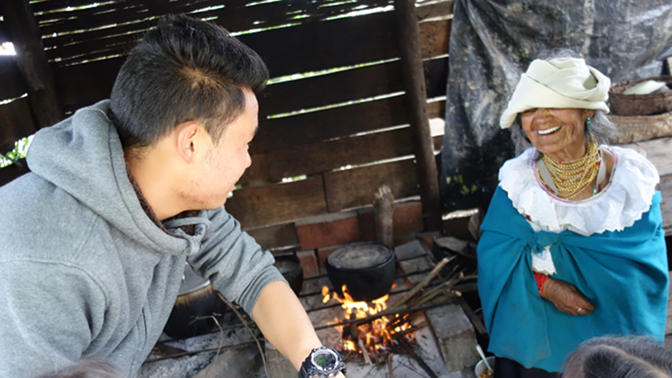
[[375, 331]]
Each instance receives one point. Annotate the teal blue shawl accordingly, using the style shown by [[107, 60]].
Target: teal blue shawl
[[624, 274]]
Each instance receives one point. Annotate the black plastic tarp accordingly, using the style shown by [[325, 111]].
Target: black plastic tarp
[[493, 42]]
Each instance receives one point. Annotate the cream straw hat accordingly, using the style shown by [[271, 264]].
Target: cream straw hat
[[558, 83]]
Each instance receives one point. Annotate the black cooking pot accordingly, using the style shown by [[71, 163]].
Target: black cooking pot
[[290, 267], [366, 269], [196, 304]]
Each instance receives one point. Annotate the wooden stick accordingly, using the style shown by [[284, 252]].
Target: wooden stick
[[422, 283], [365, 352], [389, 365], [416, 101], [443, 288], [410, 330]]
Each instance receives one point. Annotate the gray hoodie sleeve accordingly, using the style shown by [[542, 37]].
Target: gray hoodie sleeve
[[49, 313], [233, 261]]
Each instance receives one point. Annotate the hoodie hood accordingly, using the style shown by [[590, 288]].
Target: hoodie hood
[[82, 155]]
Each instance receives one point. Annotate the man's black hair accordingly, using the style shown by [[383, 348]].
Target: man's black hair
[[184, 70]]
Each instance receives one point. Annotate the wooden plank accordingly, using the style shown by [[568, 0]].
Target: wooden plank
[[273, 237], [434, 9], [257, 173], [16, 122], [77, 87], [298, 94], [434, 38], [324, 45], [86, 84], [355, 187], [94, 50], [325, 156], [53, 6], [289, 132], [436, 109], [98, 39], [274, 204], [12, 85], [235, 16], [320, 157], [353, 84]]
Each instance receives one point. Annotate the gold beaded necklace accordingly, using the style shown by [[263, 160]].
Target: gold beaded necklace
[[572, 177]]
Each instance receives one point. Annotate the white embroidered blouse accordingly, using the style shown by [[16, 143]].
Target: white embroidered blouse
[[619, 205]]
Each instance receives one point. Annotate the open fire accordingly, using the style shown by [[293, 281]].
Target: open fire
[[373, 339]]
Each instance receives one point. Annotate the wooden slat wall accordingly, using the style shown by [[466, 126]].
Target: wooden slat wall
[[318, 143], [309, 127]]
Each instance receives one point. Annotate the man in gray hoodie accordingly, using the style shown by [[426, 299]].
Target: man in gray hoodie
[[121, 194]]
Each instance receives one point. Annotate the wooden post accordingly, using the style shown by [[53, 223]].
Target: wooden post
[[416, 100], [32, 61], [383, 215]]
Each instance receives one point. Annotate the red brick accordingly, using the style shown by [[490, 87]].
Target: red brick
[[317, 235], [367, 227]]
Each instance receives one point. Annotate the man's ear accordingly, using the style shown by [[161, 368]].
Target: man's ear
[[187, 137]]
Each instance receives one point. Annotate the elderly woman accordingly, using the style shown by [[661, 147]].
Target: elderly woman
[[572, 245]]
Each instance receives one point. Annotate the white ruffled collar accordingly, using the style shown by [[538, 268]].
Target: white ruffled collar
[[622, 202]]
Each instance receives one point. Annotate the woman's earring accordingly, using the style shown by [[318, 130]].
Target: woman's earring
[[588, 124]]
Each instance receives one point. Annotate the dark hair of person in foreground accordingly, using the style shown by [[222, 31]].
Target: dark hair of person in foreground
[[619, 357]]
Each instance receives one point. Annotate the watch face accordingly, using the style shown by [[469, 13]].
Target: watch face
[[325, 361]]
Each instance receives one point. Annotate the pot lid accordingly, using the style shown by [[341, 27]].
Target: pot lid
[[359, 256]]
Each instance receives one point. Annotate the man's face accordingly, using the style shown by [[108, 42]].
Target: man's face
[[225, 162]]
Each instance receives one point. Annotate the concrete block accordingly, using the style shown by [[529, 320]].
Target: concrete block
[[456, 337], [278, 365], [409, 250]]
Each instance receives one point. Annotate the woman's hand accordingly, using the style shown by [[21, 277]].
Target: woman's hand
[[566, 297]]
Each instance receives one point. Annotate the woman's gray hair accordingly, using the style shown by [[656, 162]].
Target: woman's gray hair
[[605, 131]]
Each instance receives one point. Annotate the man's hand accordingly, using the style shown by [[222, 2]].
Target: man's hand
[[566, 297]]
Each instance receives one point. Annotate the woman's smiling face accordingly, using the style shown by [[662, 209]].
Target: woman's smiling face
[[558, 133]]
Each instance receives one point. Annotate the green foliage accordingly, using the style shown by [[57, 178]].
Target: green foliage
[[19, 152]]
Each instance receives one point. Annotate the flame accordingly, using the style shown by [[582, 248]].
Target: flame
[[375, 334]]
